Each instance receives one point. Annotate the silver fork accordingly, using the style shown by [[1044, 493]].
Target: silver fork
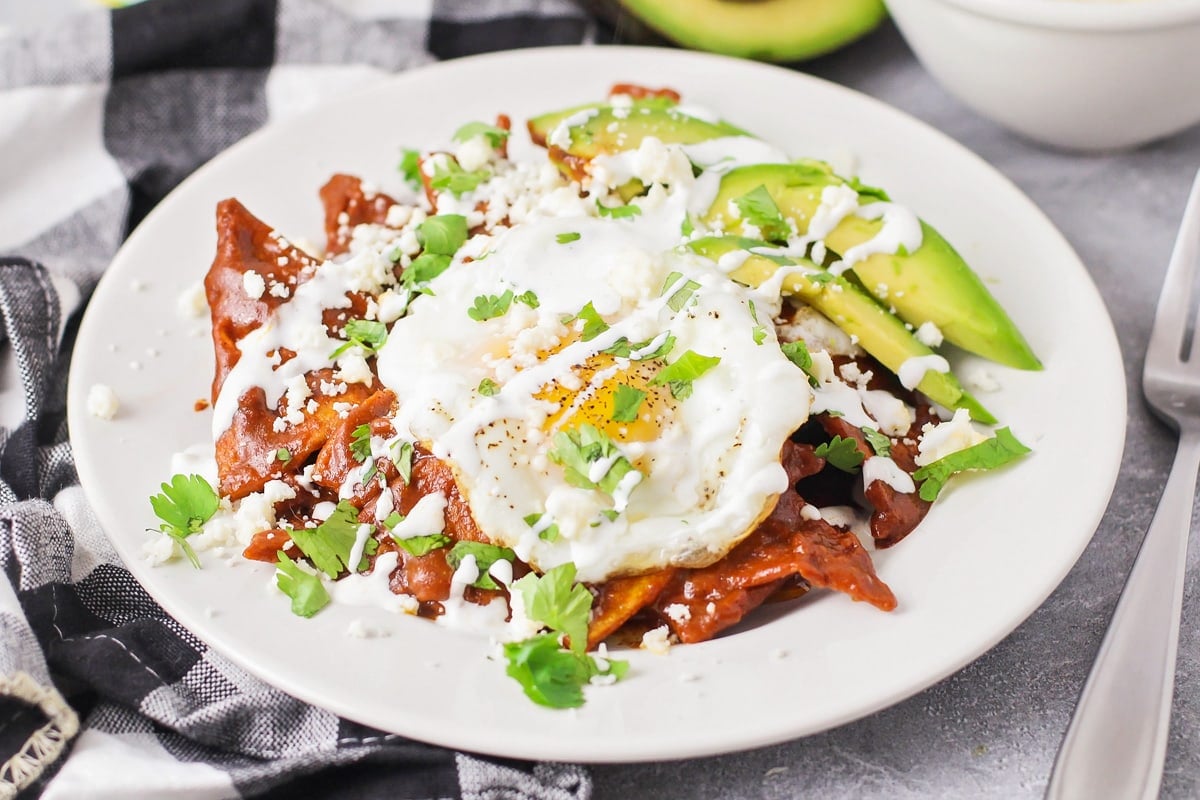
[[1117, 741]]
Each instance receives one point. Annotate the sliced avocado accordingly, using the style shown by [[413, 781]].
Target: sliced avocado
[[932, 284], [769, 30], [604, 129], [850, 308]]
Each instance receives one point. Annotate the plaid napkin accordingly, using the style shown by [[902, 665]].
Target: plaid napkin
[[101, 693]]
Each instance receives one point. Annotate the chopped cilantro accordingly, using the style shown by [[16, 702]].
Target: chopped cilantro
[[306, 590], [617, 212], [680, 297], [448, 176], [369, 335], [185, 504], [283, 454], [423, 269], [410, 168], [487, 387], [329, 544], [841, 453], [879, 442], [611, 514], [494, 135], [393, 519], [759, 209], [528, 298], [490, 306], [579, 449], [687, 227], [558, 602], [360, 443], [443, 234], [626, 403], [403, 460], [548, 533], [485, 556], [679, 375], [423, 545], [593, 323], [797, 353], [565, 238], [820, 277], [759, 332], [989, 454], [552, 676], [623, 348]]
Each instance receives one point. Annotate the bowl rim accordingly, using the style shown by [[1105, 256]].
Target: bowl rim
[[1087, 15]]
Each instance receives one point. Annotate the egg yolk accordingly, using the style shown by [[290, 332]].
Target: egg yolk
[[589, 395]]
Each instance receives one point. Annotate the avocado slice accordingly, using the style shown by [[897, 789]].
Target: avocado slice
[[933, 284], [604, 129], [850, 308], [769, 30]]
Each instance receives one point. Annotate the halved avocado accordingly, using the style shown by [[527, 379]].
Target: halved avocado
[[851, 309], [768, 30], [932, 284], [604, 129]]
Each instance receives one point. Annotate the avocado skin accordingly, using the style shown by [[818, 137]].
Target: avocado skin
[[851, 309], [933, 284], [767, 30]]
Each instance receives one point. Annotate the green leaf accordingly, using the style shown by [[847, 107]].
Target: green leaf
[[593, 323], [559, 603], [548, 533], [393, 519], [995, 452], [421, 545], [283, 454], [369, 335], [490, 306], [577, 450], [623, 348], [565, 238], [626, 402], [360, 443], [617, 212], [687, 227], [494, 135], [679, 375], [550, 676], [448, 176], [487, 387], [485, 556], [680, 297], [329, 544], [759, 332], [402, 459], [528, 298], [185, 504], [423, 269], [307, 591], [879, 442], [410, 168], [758, 208], [443, 234], [841, 453], [797, 353]]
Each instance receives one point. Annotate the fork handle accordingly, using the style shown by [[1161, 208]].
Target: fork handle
[[1116, 743]]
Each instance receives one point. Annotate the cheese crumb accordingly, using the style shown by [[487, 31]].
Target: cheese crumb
[[678, 612], [939, 441], [657, 641], [254, 284], [929, 335], [102, 401]]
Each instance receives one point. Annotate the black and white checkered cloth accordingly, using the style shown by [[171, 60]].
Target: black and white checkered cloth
[[101, 693]]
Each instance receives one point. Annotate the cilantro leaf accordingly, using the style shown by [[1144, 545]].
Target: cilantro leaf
[[989, 454], [687, 227], [579, 450], [360, 443], [841, 453], [402, 460], [487, 387], [617, 212], [549, 533], [421, 545], [593, 323], [623, 348], [680, 297], [565, 238], [759, 332], [550, 676], [528, 298], [424, 268], [410, 168], [679, 375], [393, 519], [559, 603], [185, 504], [443, 234], [369, 335], [494, 135], [448, 176], [758, 208], [797, 353], [329, 544], [307, 592], [485, 556], [490, 306], [879, 442], [626, 402], [283, 454]]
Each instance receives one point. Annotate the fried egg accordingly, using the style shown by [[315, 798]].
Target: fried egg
[[612, 402]]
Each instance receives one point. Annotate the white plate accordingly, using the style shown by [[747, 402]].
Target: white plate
[[990, 552]]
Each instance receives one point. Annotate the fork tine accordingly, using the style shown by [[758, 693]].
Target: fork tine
[[1175, 302]]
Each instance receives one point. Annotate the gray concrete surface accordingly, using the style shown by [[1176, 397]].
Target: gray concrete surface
[[992, 730]]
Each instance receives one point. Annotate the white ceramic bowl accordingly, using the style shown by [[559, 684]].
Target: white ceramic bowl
[[1078, 74]]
